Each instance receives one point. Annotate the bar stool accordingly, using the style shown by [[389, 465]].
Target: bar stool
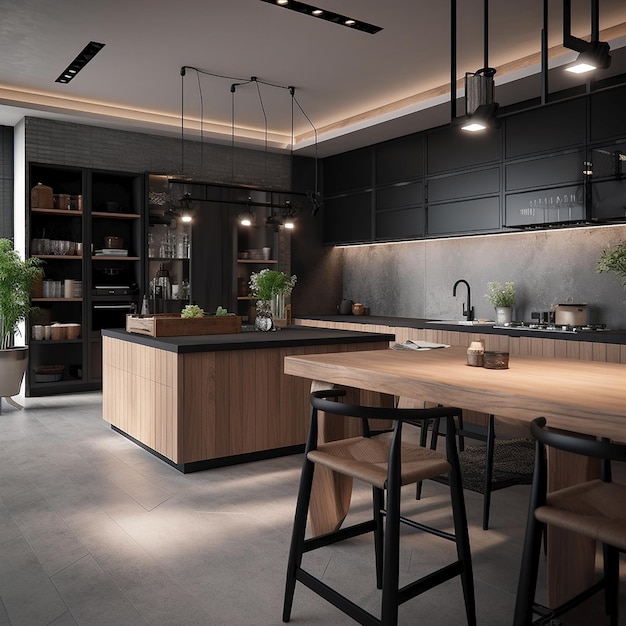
[[387, 463], [595, 509]]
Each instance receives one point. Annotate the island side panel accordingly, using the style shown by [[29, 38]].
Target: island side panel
[[139, 394]]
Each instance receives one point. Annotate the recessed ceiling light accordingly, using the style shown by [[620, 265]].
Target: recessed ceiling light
[[329, 16], [85, 55]]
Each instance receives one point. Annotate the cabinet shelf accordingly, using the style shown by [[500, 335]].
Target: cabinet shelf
[[69, 257], [63, 212], [53, 342], [116, 216], [57, 300], [110, 257]]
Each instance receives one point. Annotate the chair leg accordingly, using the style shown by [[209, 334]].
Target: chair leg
[[611, 583], [491, 442], [298, 534], [379, 505], [527, 585], [460, 530]]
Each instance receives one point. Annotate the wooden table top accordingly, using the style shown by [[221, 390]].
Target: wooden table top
[[581, 396]]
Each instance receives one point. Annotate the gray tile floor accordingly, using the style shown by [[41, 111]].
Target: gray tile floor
[[95, 530]]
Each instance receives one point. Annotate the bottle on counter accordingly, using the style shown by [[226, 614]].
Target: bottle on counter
[[476, 354]]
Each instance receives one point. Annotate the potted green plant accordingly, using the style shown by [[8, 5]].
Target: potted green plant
[[270, 288], [614, 260], [17, 279], [502, 297]]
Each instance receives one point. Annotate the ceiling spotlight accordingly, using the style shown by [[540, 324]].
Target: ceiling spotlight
[[329, 16], [483, 118], [595, 57], [594, 54], [86, 54]]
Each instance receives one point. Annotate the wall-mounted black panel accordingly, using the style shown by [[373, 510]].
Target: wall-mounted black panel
[[400, 159], [478, 183], [400, 224], [349, 171], [469, 216], [399, 196], [544, 129], [607, 114], [348, 219], [557, 170], [609, 199], [544, 207], [451, 148]]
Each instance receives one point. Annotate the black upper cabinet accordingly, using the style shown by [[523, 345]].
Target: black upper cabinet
[[450, 149], [608, 118], [400, 160], [546, 129], [464, 185], [348, 219], [545, 172], [468, 216], [350, 171]]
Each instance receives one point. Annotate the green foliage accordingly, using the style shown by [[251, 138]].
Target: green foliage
[[614, 260], [222, 311], [17, 279], [192, 310], [267, 283], [500, 295]]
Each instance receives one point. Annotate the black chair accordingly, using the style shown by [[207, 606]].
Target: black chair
[[387, 463], [595, 509], [507, 442]]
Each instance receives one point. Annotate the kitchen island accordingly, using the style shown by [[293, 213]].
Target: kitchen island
[[203, 401]]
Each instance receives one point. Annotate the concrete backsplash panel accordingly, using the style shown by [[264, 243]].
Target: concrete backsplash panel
[[415, 279]]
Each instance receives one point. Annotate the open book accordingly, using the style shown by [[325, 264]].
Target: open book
[[415, 344]]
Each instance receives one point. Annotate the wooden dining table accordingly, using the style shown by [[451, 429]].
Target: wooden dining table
[[585, 397]]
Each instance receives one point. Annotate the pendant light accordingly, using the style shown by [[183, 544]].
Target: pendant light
[[594, 54], [480, 108]]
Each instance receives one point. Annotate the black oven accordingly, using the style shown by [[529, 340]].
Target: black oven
[[111, 314]]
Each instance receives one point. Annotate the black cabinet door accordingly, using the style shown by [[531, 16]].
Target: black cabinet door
[[546, 129], [348, 219], [464, 185], [607, 114], [545, 172], [400, 224], [400, 160], [349, 171], [467, 216], [451, 149]]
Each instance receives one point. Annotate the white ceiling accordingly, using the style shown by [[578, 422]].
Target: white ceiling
[[355, 88]]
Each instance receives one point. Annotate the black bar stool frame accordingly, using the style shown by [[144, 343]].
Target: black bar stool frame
[[387, 536]]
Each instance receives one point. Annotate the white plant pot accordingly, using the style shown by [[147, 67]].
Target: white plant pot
[[504, 315], [13, 363]]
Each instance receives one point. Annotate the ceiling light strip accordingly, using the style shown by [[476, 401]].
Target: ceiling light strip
[[85, 55], [323, 14]]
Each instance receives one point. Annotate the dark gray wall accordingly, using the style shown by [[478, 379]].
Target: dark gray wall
[[415, 279], [6, 181]]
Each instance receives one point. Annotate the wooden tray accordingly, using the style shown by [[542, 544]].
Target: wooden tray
[[172, 324]]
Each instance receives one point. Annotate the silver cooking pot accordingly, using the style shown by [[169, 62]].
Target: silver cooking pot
[[571, 314]]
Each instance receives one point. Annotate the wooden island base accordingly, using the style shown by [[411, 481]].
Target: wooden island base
[[207, 401]]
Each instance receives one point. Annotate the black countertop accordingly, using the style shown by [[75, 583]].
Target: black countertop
[[290, 336], [596, 336]]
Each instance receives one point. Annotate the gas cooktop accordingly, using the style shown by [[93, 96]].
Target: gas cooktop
[[552, 328]]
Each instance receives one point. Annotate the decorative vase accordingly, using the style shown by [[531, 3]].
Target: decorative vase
[[504, 315], [277, 304], [263, 320]]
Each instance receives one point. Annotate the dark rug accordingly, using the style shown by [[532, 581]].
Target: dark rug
[[513, 464]]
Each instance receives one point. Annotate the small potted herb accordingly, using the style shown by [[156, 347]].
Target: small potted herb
[[502, 297]]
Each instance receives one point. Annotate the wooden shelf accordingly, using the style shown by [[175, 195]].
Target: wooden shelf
[[57, 299], [109, 257], [64, 212], [117, 216], [70, 257], [258, 261]]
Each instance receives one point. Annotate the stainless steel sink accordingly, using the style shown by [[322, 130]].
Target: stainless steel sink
[[463, 322]]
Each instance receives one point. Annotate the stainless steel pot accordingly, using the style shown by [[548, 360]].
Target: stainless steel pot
[[571, 314]]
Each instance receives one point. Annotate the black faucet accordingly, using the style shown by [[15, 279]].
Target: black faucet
[[469, 312]]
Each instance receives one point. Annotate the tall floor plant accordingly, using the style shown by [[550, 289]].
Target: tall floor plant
[[17, 279]]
